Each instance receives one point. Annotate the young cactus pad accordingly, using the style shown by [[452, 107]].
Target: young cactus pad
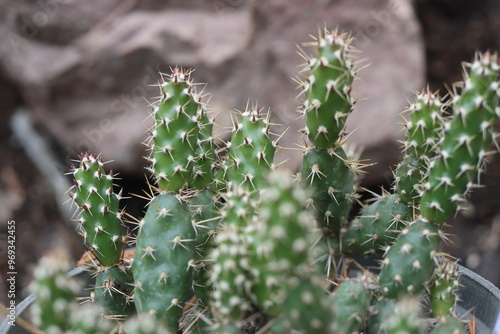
[[100, 213], [328, 88], [175, 133], [163, 261]]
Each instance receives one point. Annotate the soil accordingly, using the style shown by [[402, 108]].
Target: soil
[[452, 29]]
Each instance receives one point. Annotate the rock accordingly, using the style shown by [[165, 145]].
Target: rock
[[86, 69]]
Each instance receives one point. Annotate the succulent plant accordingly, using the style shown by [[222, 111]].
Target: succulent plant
[[229, 243]]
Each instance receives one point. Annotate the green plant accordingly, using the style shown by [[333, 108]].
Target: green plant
[[228, 239]]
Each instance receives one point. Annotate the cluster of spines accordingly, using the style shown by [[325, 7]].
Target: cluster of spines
[[100, 215]]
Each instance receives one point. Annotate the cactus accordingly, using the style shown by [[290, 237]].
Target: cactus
[[228, 241], [99, 208], [163, 260], [114, 291], [409, 262], [350, 303], [55, 294], [443, 289], [466, 139]]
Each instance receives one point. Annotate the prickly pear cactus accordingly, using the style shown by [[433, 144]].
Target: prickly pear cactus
[[378, 225], [330, 175], [164, 258], [175, 132], [409, 262], [251, 150], [282, 241], [114, 291], [100, 215], [328, 87], [467, 137], [443, 288], [350, 303], [55, 295]]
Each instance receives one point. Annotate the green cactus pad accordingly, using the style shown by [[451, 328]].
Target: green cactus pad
[[350, 303], [307, 308], [251, 150], [466, 139], [232, 275], [410, 176], [100, 215], [405, 318], [333, 181], [113, 291], [55, 295], [282, 240], [328, 89], [162, 267], [410, 261], [174, 135], [425, 125], [449, 325], [378, 225], [205, 207], [444, 288]]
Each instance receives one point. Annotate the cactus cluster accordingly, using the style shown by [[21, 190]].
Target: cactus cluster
[[229, 243]]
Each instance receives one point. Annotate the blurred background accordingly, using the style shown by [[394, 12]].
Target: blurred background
[[77, 76]]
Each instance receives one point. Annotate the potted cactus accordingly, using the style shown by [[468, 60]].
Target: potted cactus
[[229, 243]]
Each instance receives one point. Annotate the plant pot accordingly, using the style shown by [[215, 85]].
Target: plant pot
[[479, 298]]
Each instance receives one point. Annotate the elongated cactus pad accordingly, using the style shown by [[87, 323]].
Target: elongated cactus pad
[[410, 261], [99, 209], [174, 135], [328, 88], [443, 289], [163, 261], [466, 139], [282, 240], [331, 178], [232, 275], [251, 150]]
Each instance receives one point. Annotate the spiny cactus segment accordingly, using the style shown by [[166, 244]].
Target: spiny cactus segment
[[114, 291], [177, 117], [443, 289], [332, 179], [467, 137], [55, 294], [164, 259], [409, 262], [378, 225], [350, 302], [98, 204], [328, 88]]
